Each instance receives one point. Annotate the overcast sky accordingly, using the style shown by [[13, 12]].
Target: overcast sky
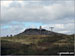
[[16, 16]]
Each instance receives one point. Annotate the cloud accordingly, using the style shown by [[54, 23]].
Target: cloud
[[61, 28], [5, 3], [31, 12], [12, 28], [59, 14]]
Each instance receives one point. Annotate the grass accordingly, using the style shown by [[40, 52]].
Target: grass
[[36, 44]]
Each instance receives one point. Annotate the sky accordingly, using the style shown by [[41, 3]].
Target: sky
[[18, 15]]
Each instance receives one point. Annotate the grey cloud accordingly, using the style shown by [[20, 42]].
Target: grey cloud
[[15, 4], [42, 14], [51, 13], [33, 11]]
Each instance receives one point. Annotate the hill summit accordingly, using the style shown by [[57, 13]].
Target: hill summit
[[35, 31]]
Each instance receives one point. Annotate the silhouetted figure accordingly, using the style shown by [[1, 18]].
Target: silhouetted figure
[[7, 36], [40, 29], [10, 35]]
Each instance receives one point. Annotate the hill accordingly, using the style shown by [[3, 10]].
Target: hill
[[31, 42], [34, 31]]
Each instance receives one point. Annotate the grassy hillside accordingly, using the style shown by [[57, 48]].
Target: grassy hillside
[[37, 44]]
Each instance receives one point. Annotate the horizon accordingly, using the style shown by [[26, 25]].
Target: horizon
[[16, 16], [34, 28]]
